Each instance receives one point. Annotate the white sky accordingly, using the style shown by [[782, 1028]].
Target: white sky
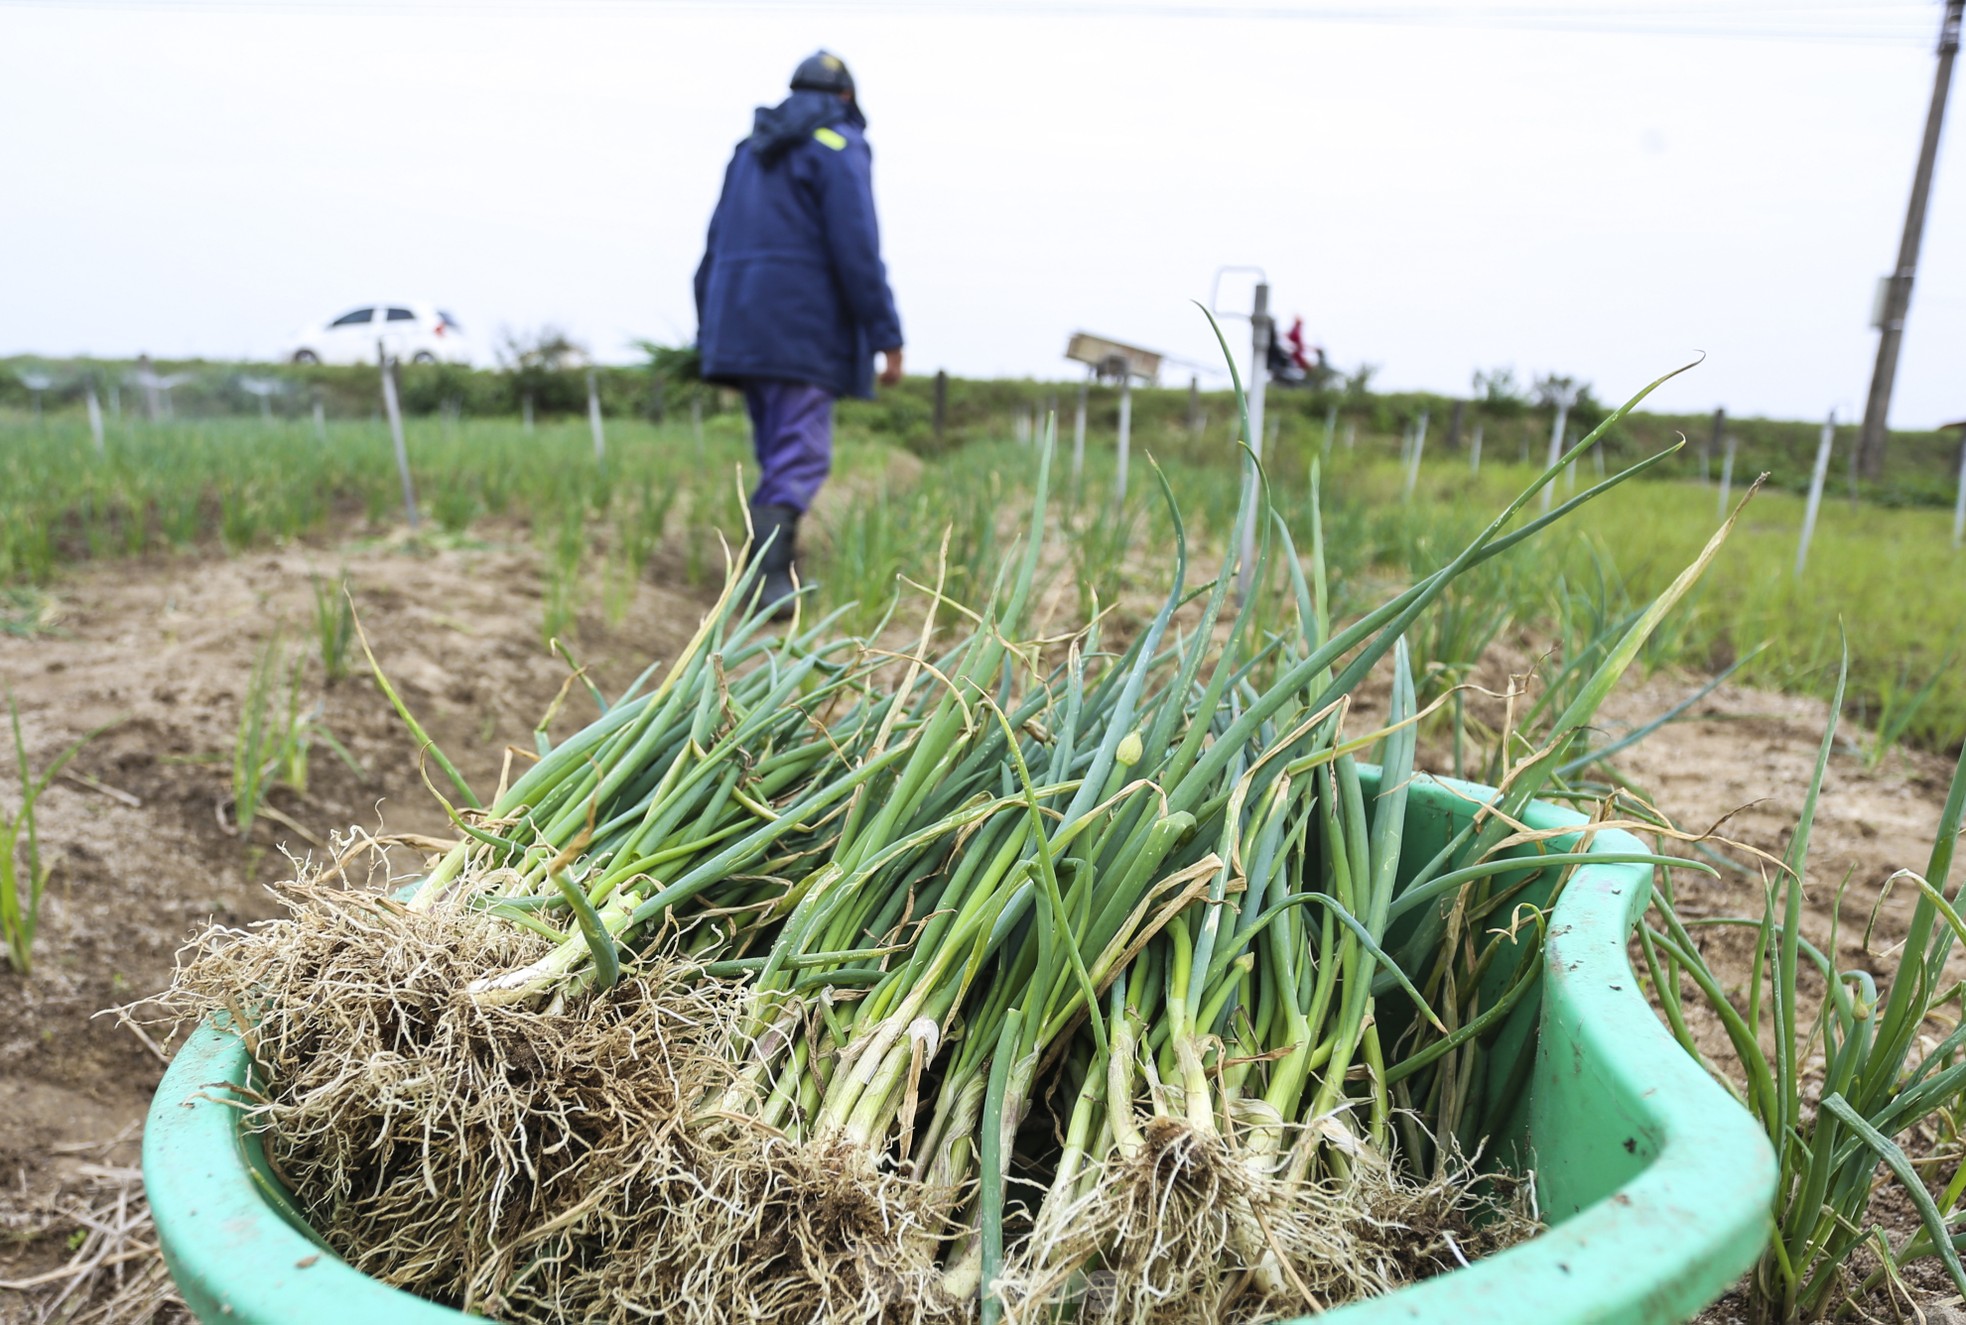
[[1442, 187]]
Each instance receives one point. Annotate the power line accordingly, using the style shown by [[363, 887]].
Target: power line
[[1841, 22]]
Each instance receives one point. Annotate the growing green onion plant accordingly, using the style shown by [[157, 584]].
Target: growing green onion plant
[[23, 876], [1881, 1073]]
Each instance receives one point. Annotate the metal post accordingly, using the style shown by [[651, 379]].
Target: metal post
[[1897, 288], [941, 416], [1078, 431], [1815, 492], [1194, 406], [1713, 443], [1726, 478], [1259, 376], [396, 434], [1126, 435], [1474, 452], [320, 422], [594, 419], [95, 420], [1330, 427]]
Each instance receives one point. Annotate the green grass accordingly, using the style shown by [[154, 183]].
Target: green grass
[[239, 483], [1888, 577], [1885, 574]]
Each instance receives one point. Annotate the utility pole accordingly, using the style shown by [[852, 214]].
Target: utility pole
[[1896, 300]]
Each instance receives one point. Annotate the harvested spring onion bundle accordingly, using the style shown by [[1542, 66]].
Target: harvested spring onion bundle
[[987, 976]]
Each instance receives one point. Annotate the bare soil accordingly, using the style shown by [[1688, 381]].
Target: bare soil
[[159, 654], [143, 853]]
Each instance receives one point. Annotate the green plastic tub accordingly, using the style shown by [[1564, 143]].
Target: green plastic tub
[[1655, 1182]]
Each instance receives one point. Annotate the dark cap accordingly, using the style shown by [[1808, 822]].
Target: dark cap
[[822, 72]]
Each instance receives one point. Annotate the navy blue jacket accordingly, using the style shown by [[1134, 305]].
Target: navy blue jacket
[[792, 285]]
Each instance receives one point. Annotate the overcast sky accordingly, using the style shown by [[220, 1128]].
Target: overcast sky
[[1603, 189]]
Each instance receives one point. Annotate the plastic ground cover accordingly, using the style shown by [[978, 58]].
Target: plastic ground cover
[[1655, 1182]]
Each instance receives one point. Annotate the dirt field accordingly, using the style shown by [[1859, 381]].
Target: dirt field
[[163, 653], [143, 854]]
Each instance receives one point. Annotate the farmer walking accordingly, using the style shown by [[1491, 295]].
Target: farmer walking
[[792, 300]]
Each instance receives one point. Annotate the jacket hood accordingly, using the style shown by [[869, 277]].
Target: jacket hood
[[777, 129]]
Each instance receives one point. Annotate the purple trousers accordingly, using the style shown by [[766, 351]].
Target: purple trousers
[[792, 431]]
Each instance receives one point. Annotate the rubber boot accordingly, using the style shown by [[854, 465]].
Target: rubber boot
[[774, 545]]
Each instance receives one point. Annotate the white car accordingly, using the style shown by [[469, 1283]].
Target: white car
[[413, 333]]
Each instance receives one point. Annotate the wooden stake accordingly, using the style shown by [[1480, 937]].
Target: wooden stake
[[1126, 437], [1556, 443], [1078, 435], [1419, 446], [395, 413], [1815, 492], [594, 419], [1959, 502]]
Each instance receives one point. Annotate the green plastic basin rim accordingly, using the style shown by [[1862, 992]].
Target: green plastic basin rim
[[1656, 1182]]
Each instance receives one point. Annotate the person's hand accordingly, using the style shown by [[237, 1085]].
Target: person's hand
[[891, 366]]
